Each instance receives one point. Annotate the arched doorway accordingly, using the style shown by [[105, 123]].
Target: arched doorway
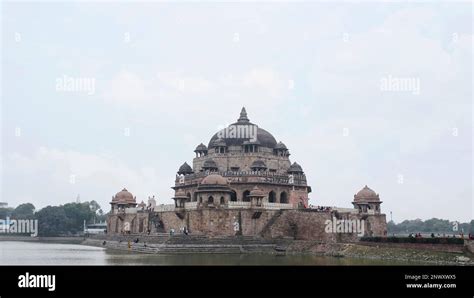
[[117, 224], [210, 200], [189, 197], [245, 196], [283, 197], [272, 197]]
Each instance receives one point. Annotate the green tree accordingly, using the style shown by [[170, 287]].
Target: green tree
[[433, 225], [392, 227], [5, 212], [52, 221], [67, 219], [77, 213], [101, 216], [24, 211], [98, 213], [94, 206]]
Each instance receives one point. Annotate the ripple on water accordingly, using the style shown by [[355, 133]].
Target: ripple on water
[[39, 253]]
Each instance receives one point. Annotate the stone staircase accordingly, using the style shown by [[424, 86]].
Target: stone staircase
[[201, 239], [266, 228], [186, 244], [154, 238], [205, 249]]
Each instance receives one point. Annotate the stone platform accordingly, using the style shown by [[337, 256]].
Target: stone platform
[[183, 244]]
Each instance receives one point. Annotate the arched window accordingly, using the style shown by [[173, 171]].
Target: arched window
[[222, 201], [245, 196], [189, 197], [195, 197], [233, 196], [272, 197], [210, 200], [200, 199], [283, 198]]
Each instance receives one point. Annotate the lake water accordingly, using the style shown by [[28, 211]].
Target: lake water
[[39, 253]]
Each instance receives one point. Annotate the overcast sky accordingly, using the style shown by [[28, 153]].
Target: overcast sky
[[168, 76]]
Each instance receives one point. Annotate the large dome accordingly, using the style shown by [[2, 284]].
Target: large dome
[[264, 138]]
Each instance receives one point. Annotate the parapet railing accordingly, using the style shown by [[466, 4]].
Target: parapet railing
[[277, 206], [163, 207], [190, 205], [242, 176], [239, 153], [237, 205], [229, 205], [345, 210]]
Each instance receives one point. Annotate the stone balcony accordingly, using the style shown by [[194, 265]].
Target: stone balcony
[[240, 154], [188, 206], [244, 177]]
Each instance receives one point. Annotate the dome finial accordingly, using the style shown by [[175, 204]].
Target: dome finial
[[243, 116]]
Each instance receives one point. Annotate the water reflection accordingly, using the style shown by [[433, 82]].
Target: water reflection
[[37, 253]]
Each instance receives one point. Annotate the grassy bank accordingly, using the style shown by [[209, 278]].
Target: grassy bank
[[406, 254]]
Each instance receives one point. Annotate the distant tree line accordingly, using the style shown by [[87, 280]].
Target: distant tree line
[[433, 225], [426, 240], [62, 220]]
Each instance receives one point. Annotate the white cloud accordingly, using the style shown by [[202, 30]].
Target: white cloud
[[127, 87], [257, 87], [204, 78], [44, 178], [185, 84], [266, 80]]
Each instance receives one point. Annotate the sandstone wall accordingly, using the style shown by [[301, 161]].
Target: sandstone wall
[[309, 225], [294, 194], [297, 224], [226, 161], [377, 225], [218, 222], [134, 223]]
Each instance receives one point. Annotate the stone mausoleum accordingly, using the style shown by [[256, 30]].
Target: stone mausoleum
[[243, 183]]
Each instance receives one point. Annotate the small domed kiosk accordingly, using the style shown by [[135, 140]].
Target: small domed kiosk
[[122, 200], [213, 191], [367, 201]]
